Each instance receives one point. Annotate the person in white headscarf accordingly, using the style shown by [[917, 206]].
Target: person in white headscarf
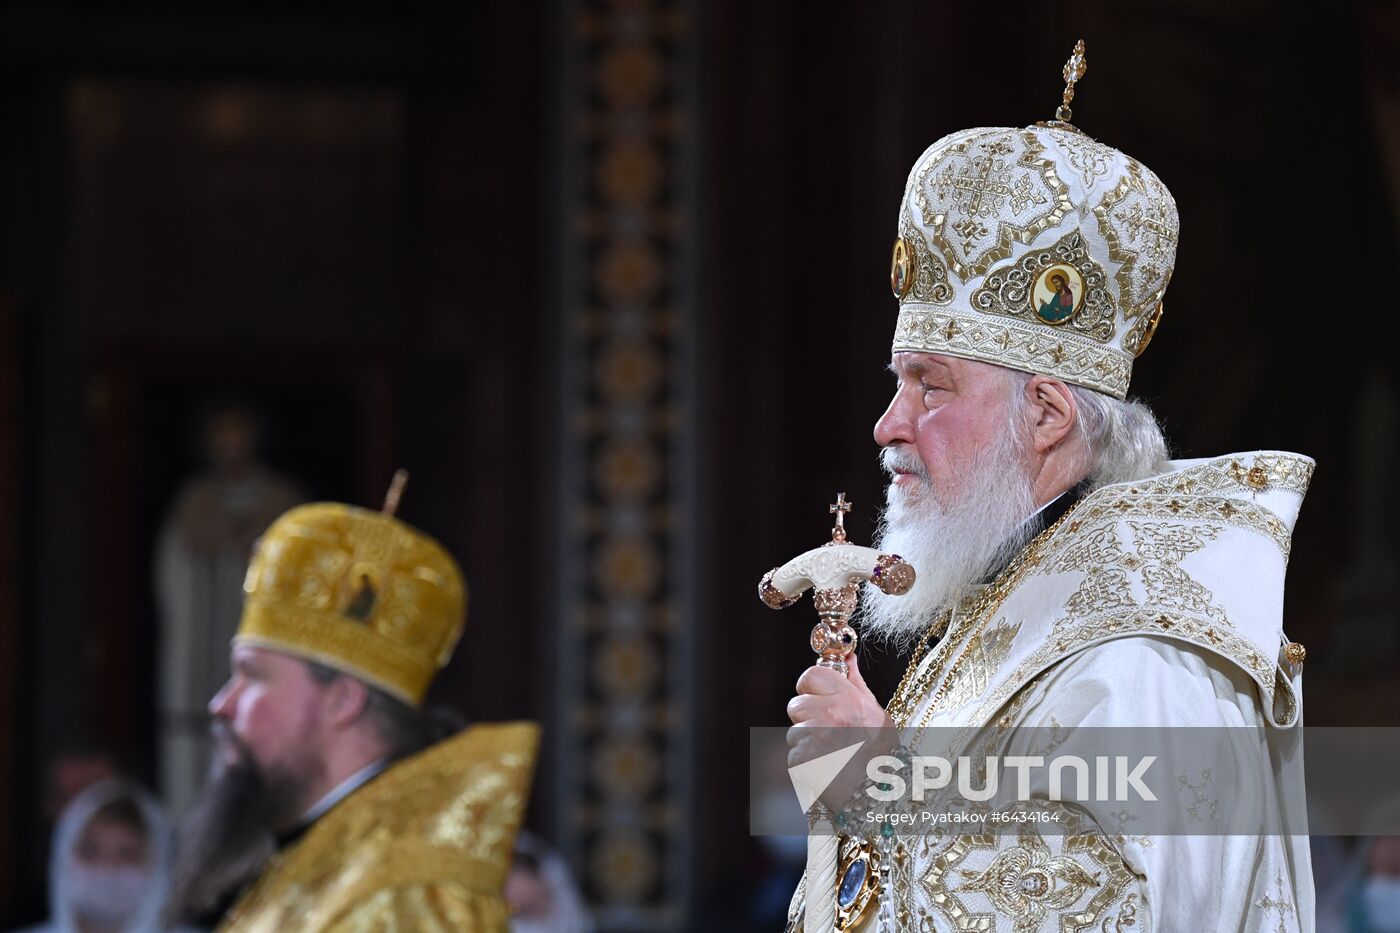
[[109, 864]]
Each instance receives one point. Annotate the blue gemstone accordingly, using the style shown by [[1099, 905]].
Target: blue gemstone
[[851, 884]]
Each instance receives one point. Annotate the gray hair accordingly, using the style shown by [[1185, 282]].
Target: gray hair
[[1122, 437]]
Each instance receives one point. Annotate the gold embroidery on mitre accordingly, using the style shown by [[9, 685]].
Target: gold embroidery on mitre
[[359, 591], [985, 192], [1034, 348], [1009, 290], [930, 279], [1139, 223], [1092, 160]]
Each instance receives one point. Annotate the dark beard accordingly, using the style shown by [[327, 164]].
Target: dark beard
[[229, 834]]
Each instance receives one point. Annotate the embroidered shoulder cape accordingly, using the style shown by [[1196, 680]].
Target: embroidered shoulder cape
[[1195, 555]]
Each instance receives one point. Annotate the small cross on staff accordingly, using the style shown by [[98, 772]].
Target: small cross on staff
[[840, 507]]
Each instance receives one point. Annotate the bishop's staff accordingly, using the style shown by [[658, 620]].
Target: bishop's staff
[[835, 572]]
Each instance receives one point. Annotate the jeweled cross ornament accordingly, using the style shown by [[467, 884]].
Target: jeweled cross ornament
[[835, 571], [1074, 70], [840, 507]]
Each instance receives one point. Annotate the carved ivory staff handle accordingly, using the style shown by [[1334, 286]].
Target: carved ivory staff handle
[[835, 572]]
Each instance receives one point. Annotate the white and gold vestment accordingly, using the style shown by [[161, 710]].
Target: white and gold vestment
[[1156, 603]]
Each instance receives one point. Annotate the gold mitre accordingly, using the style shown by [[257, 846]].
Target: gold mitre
[[356, 590], [1037, 248]]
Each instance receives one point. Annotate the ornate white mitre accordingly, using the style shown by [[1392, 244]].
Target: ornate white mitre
[[1036, 248]]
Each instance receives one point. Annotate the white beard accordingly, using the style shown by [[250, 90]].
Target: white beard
[[951, 548]]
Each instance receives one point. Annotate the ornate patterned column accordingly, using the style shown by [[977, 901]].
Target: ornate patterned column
[[623, 793]]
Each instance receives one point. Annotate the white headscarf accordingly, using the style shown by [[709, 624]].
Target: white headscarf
[[75, 819]]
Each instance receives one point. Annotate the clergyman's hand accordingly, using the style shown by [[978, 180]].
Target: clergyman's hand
[[827, 701], [828, 698]]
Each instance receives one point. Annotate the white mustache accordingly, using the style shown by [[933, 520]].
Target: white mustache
[[902, 459]]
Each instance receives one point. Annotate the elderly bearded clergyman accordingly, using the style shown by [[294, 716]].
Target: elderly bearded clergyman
[[1069, 575]]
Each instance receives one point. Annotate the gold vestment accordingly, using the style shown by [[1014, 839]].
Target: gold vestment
[[425, 846]]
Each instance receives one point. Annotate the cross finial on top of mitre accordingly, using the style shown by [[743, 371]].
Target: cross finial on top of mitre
[[396, 485], [1074, 70]]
